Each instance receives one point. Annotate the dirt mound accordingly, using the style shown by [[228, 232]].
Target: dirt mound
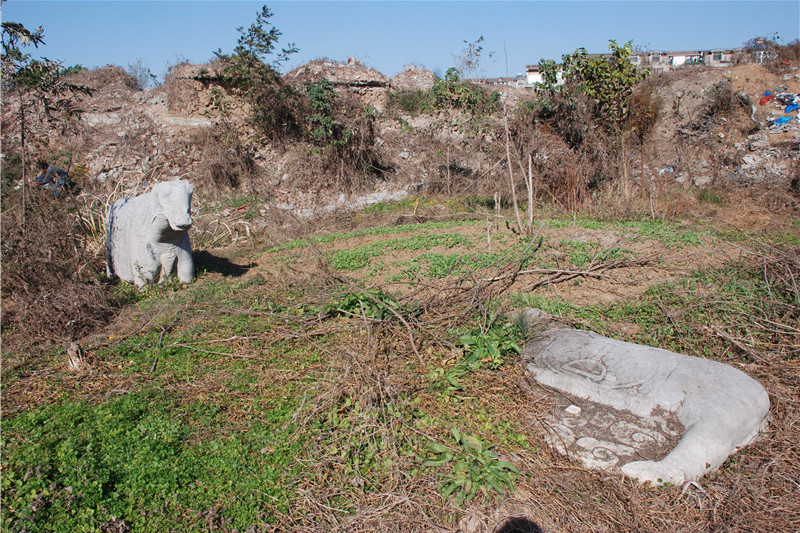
[[187, 89], [414, 77], [107, 79], [352, 73], [753, 79], [712, 129]]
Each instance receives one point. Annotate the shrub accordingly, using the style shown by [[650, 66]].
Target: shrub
[[51, 274], [720, 99], [139, 72], [790, 52], [410, 101], [645, 109], [226, 163], [273, 103], [342, 133], [453, 93]]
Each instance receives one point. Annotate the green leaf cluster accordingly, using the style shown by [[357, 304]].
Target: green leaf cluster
[[326, 131], [608, 82], [453, 93], [492, 347], [489, 349], [372, 303], [475, 468], [246, 68]]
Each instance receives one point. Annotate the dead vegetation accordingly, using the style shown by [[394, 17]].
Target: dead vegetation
[[51, 291]]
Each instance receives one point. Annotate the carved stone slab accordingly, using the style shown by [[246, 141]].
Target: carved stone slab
[[633, 402]]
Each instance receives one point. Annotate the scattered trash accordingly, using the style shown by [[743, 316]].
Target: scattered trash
[[665, 170], [780, 121], [54, 178], [766, 98], [791, 107]]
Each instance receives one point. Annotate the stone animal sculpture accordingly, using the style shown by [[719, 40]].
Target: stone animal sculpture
[[147, 236], [720, 407]]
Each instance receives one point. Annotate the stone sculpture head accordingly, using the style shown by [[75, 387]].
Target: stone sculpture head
[[175, 203]]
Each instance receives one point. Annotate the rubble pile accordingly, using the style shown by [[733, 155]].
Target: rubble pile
[[414, 77], [129, 138], [752, 139], [784, 114]]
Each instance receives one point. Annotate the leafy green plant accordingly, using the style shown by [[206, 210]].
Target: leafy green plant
[[246, 71], [475, 467], [453, 93], [326, 131], [372, 303], [492, 347]]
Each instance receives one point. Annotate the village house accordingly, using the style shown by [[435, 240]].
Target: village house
[[720, 58], [533, 75], [519, 80], [661, 61], [679, 59]]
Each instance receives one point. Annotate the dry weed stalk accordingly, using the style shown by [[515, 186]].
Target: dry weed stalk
[[51, 290]]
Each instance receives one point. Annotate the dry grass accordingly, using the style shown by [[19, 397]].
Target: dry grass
[[51, 291]]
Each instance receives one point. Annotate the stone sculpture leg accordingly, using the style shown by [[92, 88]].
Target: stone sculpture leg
[[185, 269], [168, 261]]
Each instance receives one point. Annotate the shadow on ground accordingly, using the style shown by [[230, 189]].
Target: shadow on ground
[[519, 524], [204, 260]]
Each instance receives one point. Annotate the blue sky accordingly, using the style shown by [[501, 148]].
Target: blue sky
[[387, 35]]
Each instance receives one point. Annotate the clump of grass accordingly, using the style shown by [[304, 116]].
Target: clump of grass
[[366, 232], [358, 258], [667, 234], [390, 206]]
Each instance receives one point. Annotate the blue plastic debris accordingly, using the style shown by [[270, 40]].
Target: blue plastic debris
[[780, 121]]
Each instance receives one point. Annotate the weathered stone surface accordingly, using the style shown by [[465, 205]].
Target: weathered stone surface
[[147, 236], [634, 397]]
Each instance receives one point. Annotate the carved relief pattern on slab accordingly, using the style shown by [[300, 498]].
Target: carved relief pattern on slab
[[601, 437]]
